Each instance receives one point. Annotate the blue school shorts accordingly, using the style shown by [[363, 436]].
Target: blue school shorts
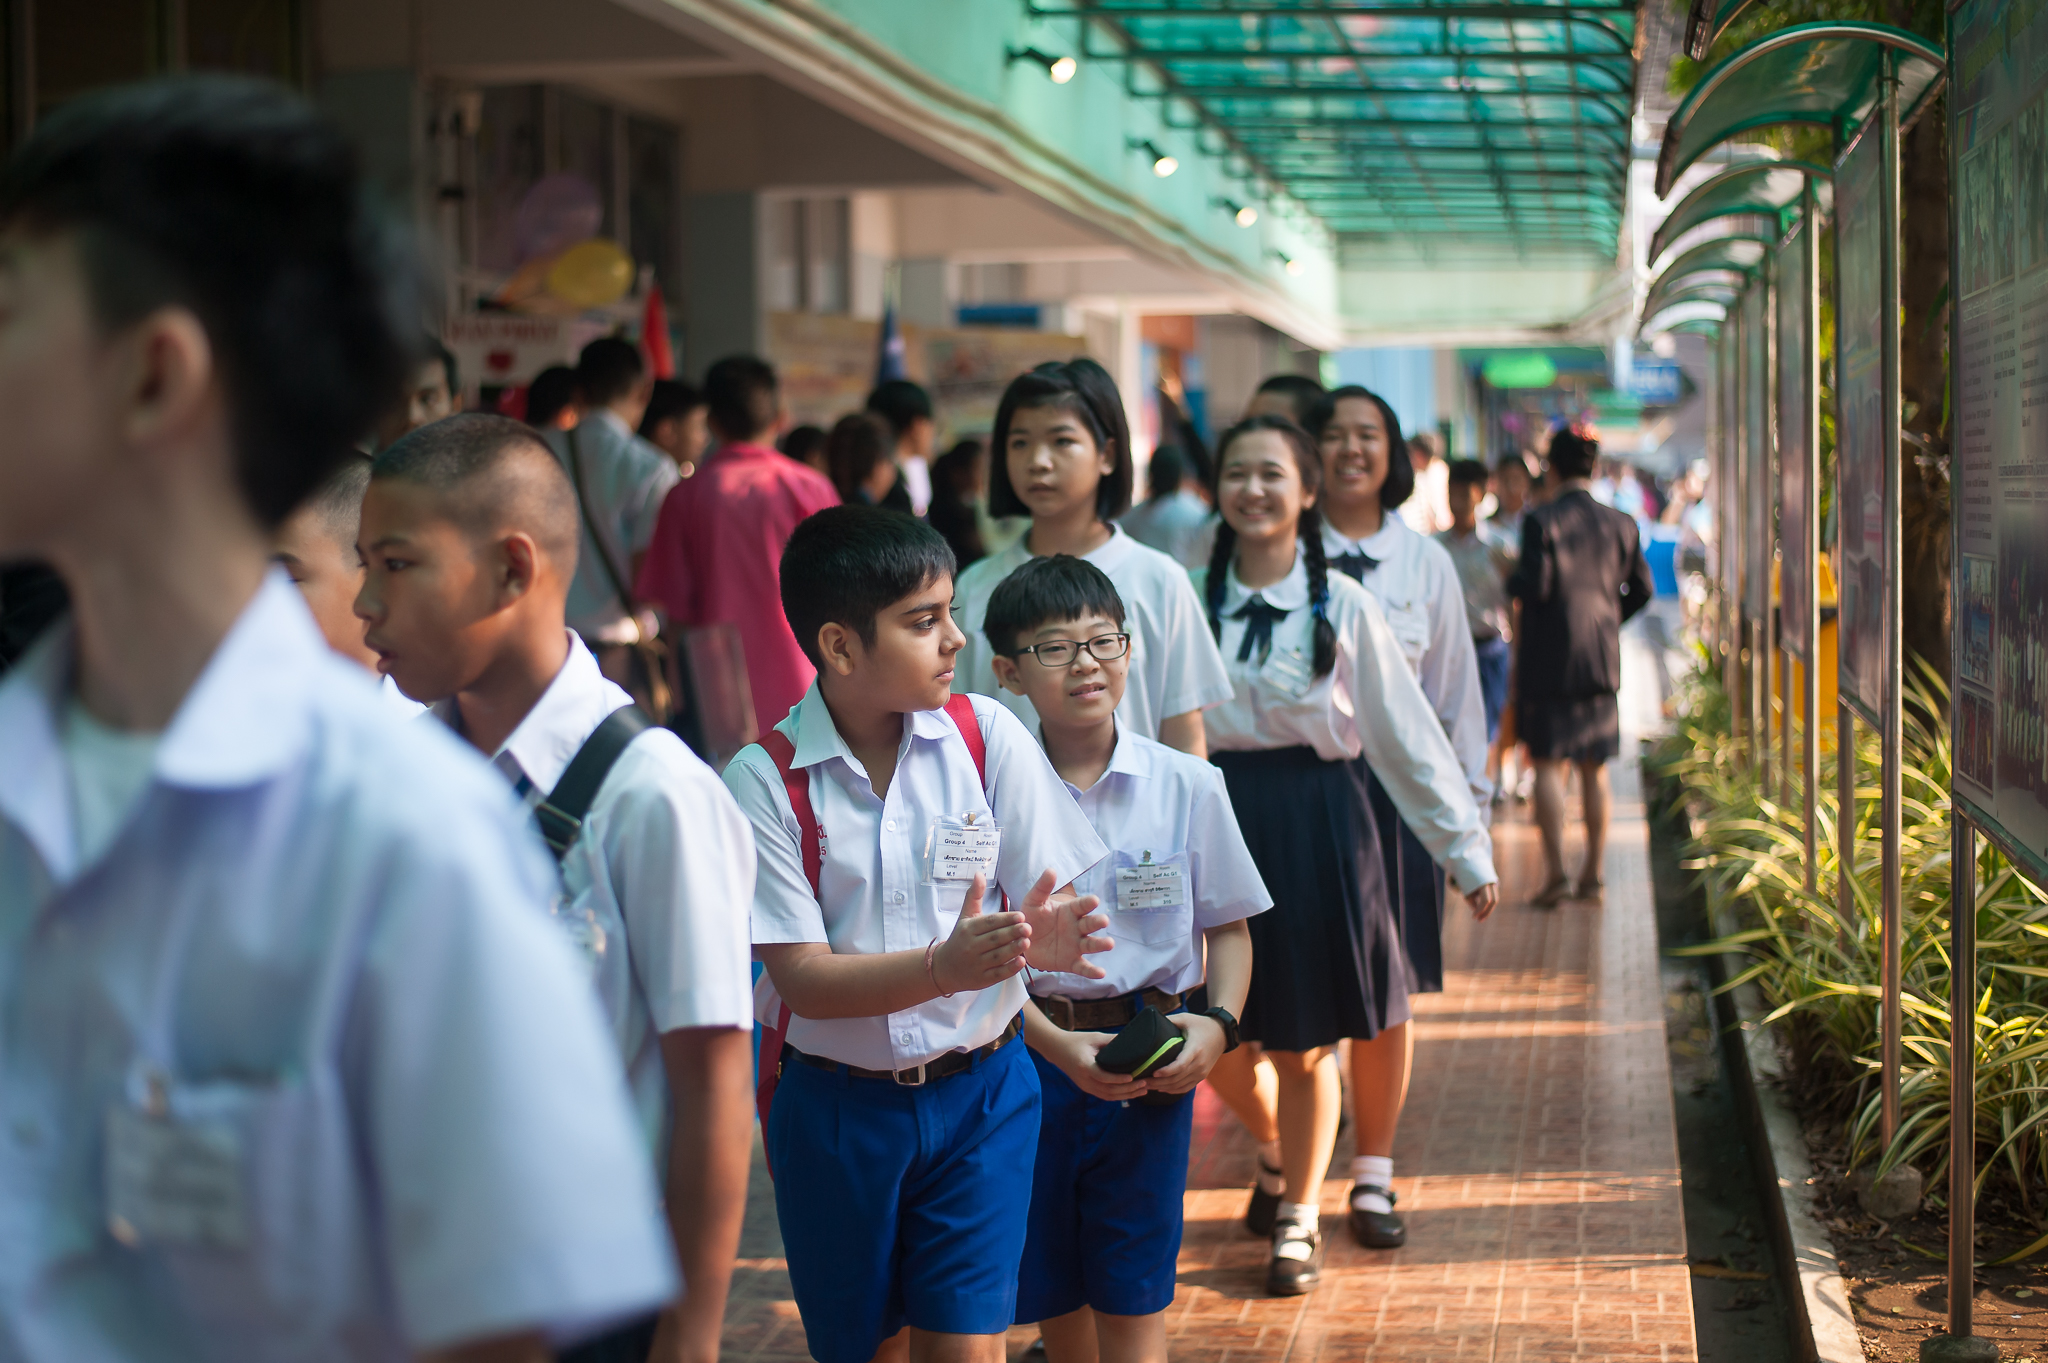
[[1495, 659], [1105, 1203], [903, 1206]]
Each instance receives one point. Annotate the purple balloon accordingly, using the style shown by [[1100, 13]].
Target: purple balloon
[[559, 211]]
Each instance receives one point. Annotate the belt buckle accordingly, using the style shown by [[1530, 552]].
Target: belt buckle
[[901, 1082]]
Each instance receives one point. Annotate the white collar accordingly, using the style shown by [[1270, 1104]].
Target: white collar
[[818, 738], [1381, 545], [550, 735], [247, 718], [613, 420], [1128, 758], [1289, 593]]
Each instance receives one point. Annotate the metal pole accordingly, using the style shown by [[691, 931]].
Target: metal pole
[[1891, 801], [1962, 1072], [1784, 661], [1810, 699], [1845, 819], [1738, 535]]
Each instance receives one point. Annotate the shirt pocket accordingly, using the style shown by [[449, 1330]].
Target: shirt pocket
[[1409, 623], [241, 1199], [1154, 900]]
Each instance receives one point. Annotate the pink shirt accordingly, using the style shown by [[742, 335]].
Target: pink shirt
[[717, 556]]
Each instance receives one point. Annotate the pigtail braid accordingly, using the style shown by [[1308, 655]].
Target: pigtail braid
[[1220, 554], [1318, 590]]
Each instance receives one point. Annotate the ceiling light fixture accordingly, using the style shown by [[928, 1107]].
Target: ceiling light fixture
[[1162, 164], [1245, 214], [1061, 69], [1287, 262]]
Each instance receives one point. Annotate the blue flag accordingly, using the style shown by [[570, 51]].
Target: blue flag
[[889, 356]]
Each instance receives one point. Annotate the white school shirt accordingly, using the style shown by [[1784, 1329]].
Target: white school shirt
[[624, 482], [328, 927], [872, 885], [1174, 664], [655, 889], [1368, 702], [1161, 805], [1417, 586]]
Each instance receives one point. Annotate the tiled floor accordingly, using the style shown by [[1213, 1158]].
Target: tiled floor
[[1536, 1166]]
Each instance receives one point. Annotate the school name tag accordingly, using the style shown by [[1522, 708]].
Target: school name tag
[[173, 1183], [962, 850], [1151, 886]]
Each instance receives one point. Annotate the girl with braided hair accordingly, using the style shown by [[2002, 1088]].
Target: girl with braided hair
[[1319, 681]]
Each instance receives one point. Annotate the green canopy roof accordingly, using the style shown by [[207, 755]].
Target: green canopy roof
[[1701, 317], [1810, 73], [1754, 188], [1713, 286], [1738, 253], [1495, 122], [1706, 21]]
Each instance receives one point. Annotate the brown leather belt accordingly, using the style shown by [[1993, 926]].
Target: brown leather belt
[[1089, 1015], [945, 1067]]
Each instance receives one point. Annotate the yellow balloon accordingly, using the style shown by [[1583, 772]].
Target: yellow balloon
[[591, 274]]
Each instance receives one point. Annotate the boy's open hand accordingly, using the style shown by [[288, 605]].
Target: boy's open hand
[[1074, 1053], [1062, 929], [985, 948]]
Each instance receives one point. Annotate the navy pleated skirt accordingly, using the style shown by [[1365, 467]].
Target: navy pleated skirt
[[1326, 958], [1415, 883]]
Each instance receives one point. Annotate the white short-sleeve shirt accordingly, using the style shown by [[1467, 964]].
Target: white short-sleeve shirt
[[1417, 587], [1174, 664], [325, 927], [874, 894], [655, 889], [1367, 703], [1159, 807]]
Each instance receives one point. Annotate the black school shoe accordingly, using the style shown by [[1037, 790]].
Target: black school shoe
[[1376, 1230], [1292, 1277], [1264, 1210]]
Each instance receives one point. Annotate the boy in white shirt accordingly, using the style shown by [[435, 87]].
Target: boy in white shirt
[[904, 1115], [1099, 1264], [469, 534]]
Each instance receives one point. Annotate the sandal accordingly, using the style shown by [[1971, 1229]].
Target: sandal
[[1551, 895]]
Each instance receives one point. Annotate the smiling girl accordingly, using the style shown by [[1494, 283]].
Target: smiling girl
[[1320, 680], [1062, 455]]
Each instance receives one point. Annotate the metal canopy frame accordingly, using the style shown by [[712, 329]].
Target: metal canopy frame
[[1826, 74], [1761, 188], [1476, 121], [1706, 21]]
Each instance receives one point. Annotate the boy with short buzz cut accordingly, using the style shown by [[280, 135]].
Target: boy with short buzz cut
[[1099, 1265], [316, 545], [892, 819], [469, 533], [1483, 563]]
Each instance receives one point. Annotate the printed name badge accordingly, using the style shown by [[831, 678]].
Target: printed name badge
[[1287, 671], [1150, 886], [171, 1182], [962, 847]]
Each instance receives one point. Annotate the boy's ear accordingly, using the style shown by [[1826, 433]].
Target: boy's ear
[[1007, 673], [839, 647], [518, 565]]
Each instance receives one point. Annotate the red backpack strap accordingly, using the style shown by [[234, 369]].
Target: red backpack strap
[[796, 781], [960, 709]]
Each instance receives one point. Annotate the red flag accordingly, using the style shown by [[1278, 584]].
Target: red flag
[[654, 336]]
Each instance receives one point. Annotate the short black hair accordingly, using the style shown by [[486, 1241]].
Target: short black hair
[[1468, 471], [493, 467], [431, 348], [608, 369], [1080, 386], [801, 442], [858, 442], [1573, 455], [551, 390], [231, 197], [1299, 389], [1055, 587], [900, 402], [845, 565], [338, 502], [1400, 484], [1167, 471], [743, 396], [671, 398]]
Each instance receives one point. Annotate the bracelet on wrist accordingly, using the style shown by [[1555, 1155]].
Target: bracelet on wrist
[[931, 950]]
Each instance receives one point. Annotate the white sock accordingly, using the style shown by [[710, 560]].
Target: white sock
[[1377, 1170], [1303, 1214], [1269, 1158]]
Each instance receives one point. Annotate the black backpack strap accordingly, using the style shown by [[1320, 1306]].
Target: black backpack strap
[[561, 815]]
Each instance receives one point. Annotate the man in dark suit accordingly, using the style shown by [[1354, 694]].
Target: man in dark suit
[[1582, 574]]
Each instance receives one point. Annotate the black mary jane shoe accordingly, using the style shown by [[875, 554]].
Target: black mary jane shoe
[[1291, 1277], [1376, 1230], [1264, 1210]]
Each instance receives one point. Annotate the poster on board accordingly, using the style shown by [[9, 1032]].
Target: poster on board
[[1795, 409], [1860, 423], [1998, 139], [1760, 479]]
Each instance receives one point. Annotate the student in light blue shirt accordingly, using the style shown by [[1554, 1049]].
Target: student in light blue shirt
[[294, 1064]]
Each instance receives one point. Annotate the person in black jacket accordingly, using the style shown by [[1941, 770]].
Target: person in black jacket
[[1582, 574]]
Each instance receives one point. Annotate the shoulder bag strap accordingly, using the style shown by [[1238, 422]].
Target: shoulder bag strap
[[560, 816], [960, 709], [604, 555]]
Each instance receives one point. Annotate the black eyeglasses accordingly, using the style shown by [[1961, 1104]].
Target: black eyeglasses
[[1061, 652]]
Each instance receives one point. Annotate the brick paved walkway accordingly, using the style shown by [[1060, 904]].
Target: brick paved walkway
[[1537, 1167]]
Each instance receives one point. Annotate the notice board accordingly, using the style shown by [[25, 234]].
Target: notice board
[[1860, 422], [1998, 139], [1795, 418], [1760, 489]]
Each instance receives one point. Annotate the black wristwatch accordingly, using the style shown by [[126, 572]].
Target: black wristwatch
[[1222, 1018]]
